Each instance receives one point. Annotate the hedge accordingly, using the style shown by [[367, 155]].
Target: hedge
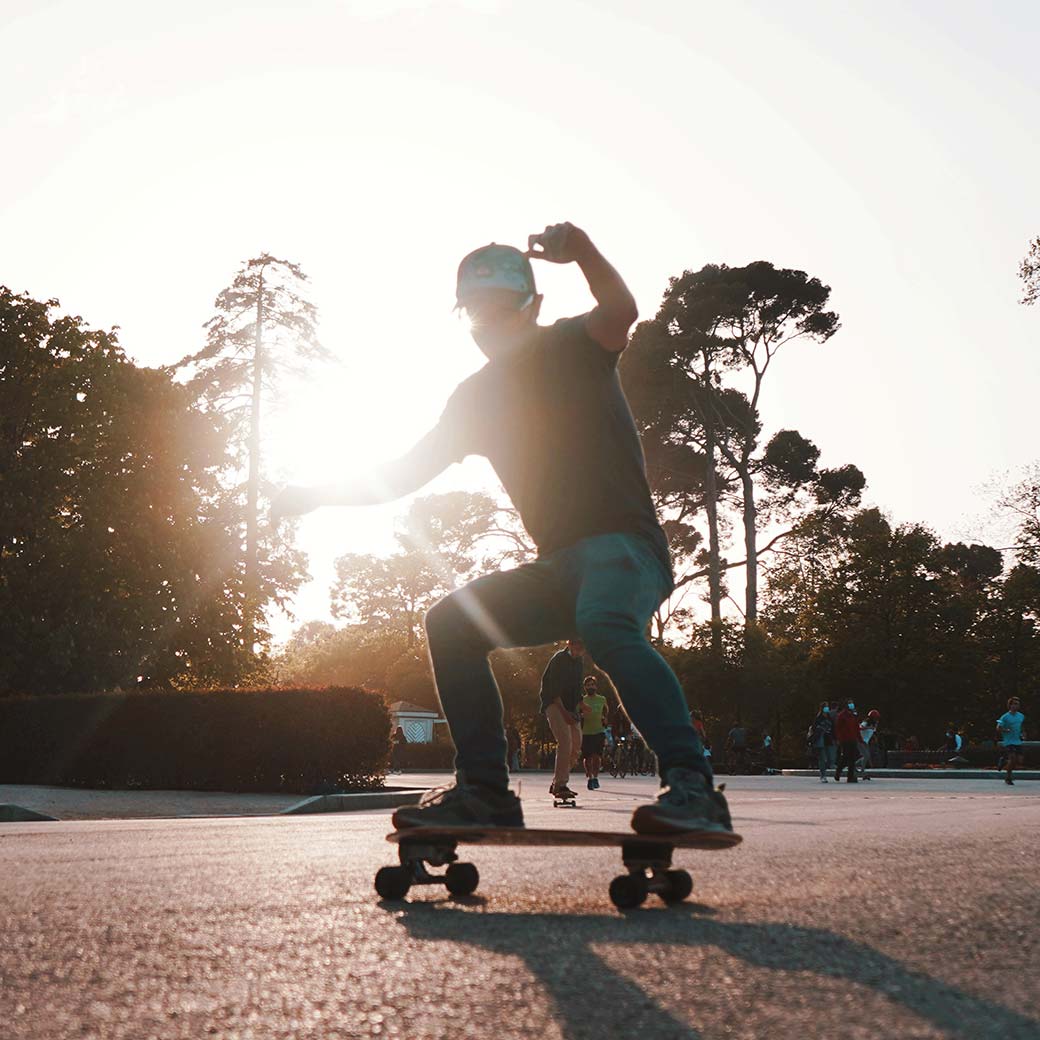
[[293, 740], [425, 756]]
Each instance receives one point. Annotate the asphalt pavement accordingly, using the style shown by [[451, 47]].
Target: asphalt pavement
[[900, 908]]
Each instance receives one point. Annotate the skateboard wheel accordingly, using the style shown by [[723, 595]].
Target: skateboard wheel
[[680, 885], [628, 890], [462, 879], [393, 882]]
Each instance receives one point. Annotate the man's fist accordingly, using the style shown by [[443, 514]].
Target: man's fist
[[559, 244], [293, 501]]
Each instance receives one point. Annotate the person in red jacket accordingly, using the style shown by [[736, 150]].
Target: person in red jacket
[[846, 732]]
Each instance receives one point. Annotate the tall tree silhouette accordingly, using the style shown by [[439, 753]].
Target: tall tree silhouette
[[119, 561], [263, 330], [713, 323]]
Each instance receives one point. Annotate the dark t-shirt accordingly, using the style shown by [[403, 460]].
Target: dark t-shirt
[[563, 678], [553, 421]]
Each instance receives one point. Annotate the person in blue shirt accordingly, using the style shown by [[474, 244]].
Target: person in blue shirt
[[1009, 732]]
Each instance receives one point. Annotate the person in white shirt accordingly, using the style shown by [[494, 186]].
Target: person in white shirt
[[867, 729]]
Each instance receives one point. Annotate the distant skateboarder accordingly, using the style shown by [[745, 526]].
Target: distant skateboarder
[[549, 413], [560, 696]]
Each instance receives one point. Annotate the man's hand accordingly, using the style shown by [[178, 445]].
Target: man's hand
[[559, 244], [294, 501]]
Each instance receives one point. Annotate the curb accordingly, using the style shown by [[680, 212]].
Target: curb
[[931, 774], [324, 803], [16, 814]]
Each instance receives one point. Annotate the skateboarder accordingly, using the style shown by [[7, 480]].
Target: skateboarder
[[593, 709], [549, 413], [560, 696], [1009, 730]]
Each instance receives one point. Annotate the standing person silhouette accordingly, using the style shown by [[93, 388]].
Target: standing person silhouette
[[549, 413], [593, 708], [560, 695]]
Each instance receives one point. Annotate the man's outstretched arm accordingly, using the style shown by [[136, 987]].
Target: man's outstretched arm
[[615, 311], [391, 480]]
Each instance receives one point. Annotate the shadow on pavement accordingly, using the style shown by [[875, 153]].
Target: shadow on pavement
[[554, 946]]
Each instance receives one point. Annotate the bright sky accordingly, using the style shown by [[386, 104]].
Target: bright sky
[[888, 148]]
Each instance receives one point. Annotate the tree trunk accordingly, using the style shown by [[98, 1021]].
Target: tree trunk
[[253, 486], [750, 517], [714, 564]]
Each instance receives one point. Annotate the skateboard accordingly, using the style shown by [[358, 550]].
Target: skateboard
[[564, 803], [647, 858]]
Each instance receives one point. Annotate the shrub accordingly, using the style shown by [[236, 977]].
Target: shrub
[[440, 755], [305, 741]]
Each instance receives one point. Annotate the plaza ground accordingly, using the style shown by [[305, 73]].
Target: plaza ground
[[899, 908]]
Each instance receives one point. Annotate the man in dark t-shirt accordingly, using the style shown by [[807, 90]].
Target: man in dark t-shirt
[[560, 695], [549, 413]]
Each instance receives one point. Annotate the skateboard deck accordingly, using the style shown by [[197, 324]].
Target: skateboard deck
[[646, 857]]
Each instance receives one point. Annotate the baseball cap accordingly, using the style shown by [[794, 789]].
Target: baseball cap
[[494, 267]]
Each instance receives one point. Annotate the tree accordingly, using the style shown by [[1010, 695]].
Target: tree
[[670, 372], [263, 330], [754, 311], [889, 616], [715, 322], [118, 562], [1021, 501], [443, 540], [1029, 272]]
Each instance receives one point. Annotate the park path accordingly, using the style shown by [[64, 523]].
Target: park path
[[901, 909]]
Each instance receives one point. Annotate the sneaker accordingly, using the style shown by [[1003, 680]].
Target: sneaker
[[462, 805], [565, 793], [823, 779], [1010, 783], [595, 783], [591, 785], [688, 803]]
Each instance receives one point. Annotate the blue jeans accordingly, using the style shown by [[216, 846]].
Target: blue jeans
[[828, 756], [602, 590]]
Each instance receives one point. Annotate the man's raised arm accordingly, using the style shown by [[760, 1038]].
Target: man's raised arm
[[429, 457], [615, 311]]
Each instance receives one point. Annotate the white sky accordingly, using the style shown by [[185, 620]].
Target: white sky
[[888, 148]]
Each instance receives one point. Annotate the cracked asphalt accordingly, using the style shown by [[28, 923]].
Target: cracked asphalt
[[893, 909]]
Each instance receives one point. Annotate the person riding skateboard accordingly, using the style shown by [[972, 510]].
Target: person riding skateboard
[[549, 413], [593, 708], [560, 695]]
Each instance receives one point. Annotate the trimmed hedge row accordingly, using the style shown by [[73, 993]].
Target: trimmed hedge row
[[437, 755], [293, 740]]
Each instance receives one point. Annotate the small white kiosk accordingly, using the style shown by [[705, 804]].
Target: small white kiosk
[[416, 721]]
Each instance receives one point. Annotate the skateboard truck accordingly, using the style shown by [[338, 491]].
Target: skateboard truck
[[460, 879], [649, 870]]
